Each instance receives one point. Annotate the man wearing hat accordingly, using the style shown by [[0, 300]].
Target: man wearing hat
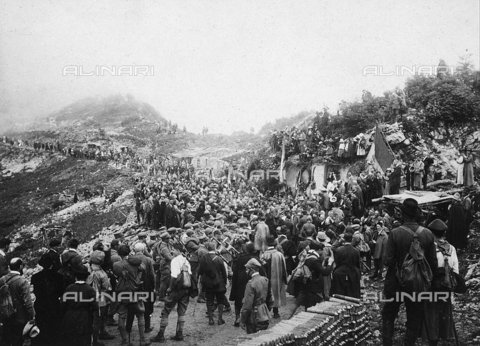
[[166, 255], [47, 304], [261, 233], [276, 273], [53, 254], [398, 245], [22, 303], [255, 315], [79, 304], [99, 280]]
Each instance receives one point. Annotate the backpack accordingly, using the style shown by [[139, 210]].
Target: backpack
[[184, 279], [301, 274], [445, 279], [129, 283], [414, 274], [7, 308]]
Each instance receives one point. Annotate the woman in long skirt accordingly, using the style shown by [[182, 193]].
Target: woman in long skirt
[[438, 321]]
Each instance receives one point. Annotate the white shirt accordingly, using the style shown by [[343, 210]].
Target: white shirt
[[176, 266], [452, 259], [2, 253]]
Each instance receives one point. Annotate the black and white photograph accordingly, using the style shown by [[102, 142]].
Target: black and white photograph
[[239, 173]]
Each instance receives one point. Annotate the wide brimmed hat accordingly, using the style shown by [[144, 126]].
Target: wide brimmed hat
[[322, 237], [410, 207], [271, 240], [30, 330]]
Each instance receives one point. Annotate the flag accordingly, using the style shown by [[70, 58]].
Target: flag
[[383, 153]]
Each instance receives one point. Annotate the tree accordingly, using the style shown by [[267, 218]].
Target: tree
[[448, 99]]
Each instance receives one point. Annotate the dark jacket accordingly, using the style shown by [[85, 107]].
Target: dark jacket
[[398, 245], [48, 289], [72, 257], [240, 277], [132, 265], [78, 313], [149, 279], [22, 301], [346, 276], [213, 273]]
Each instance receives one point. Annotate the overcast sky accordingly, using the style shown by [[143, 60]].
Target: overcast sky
[[228, 65]]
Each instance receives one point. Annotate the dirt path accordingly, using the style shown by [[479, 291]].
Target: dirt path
[[197, 331]]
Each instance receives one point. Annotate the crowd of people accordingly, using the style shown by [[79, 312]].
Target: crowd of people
[[196, 238], [311, 143], [122, 157]]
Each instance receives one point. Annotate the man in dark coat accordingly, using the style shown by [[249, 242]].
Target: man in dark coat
[[48, 289], [457, 232], [71, 260], [148, 283], [398, 245], [22, 303], [213, 276], [289, 250], [346, 276], [54, 255], [79, 305]]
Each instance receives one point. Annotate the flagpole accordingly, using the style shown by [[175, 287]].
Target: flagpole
[[283, 159]]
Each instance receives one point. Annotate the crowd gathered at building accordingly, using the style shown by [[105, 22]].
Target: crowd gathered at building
[[238, 251]]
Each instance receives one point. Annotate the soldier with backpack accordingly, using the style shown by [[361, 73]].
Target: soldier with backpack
[[178, 293], [402, 242], [129, 280], [15, 289], [309, 285], [99, 280]]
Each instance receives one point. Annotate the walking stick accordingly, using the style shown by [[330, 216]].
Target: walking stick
[[368, 268], [194, 307]]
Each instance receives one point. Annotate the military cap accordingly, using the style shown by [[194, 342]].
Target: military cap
[[164, 235], [172, 229], [437, 225], [163, 228], [142, 234]]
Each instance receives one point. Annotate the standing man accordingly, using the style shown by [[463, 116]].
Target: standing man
[[261, 234], [255, 315], [166, 256], [214, 282], [346, 276], [48, 289], [398, 245], [176, 295], [128, 275], [22, 302], [148, 283], [277, 275], [100, 282], [53, 254], [79, 306]]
